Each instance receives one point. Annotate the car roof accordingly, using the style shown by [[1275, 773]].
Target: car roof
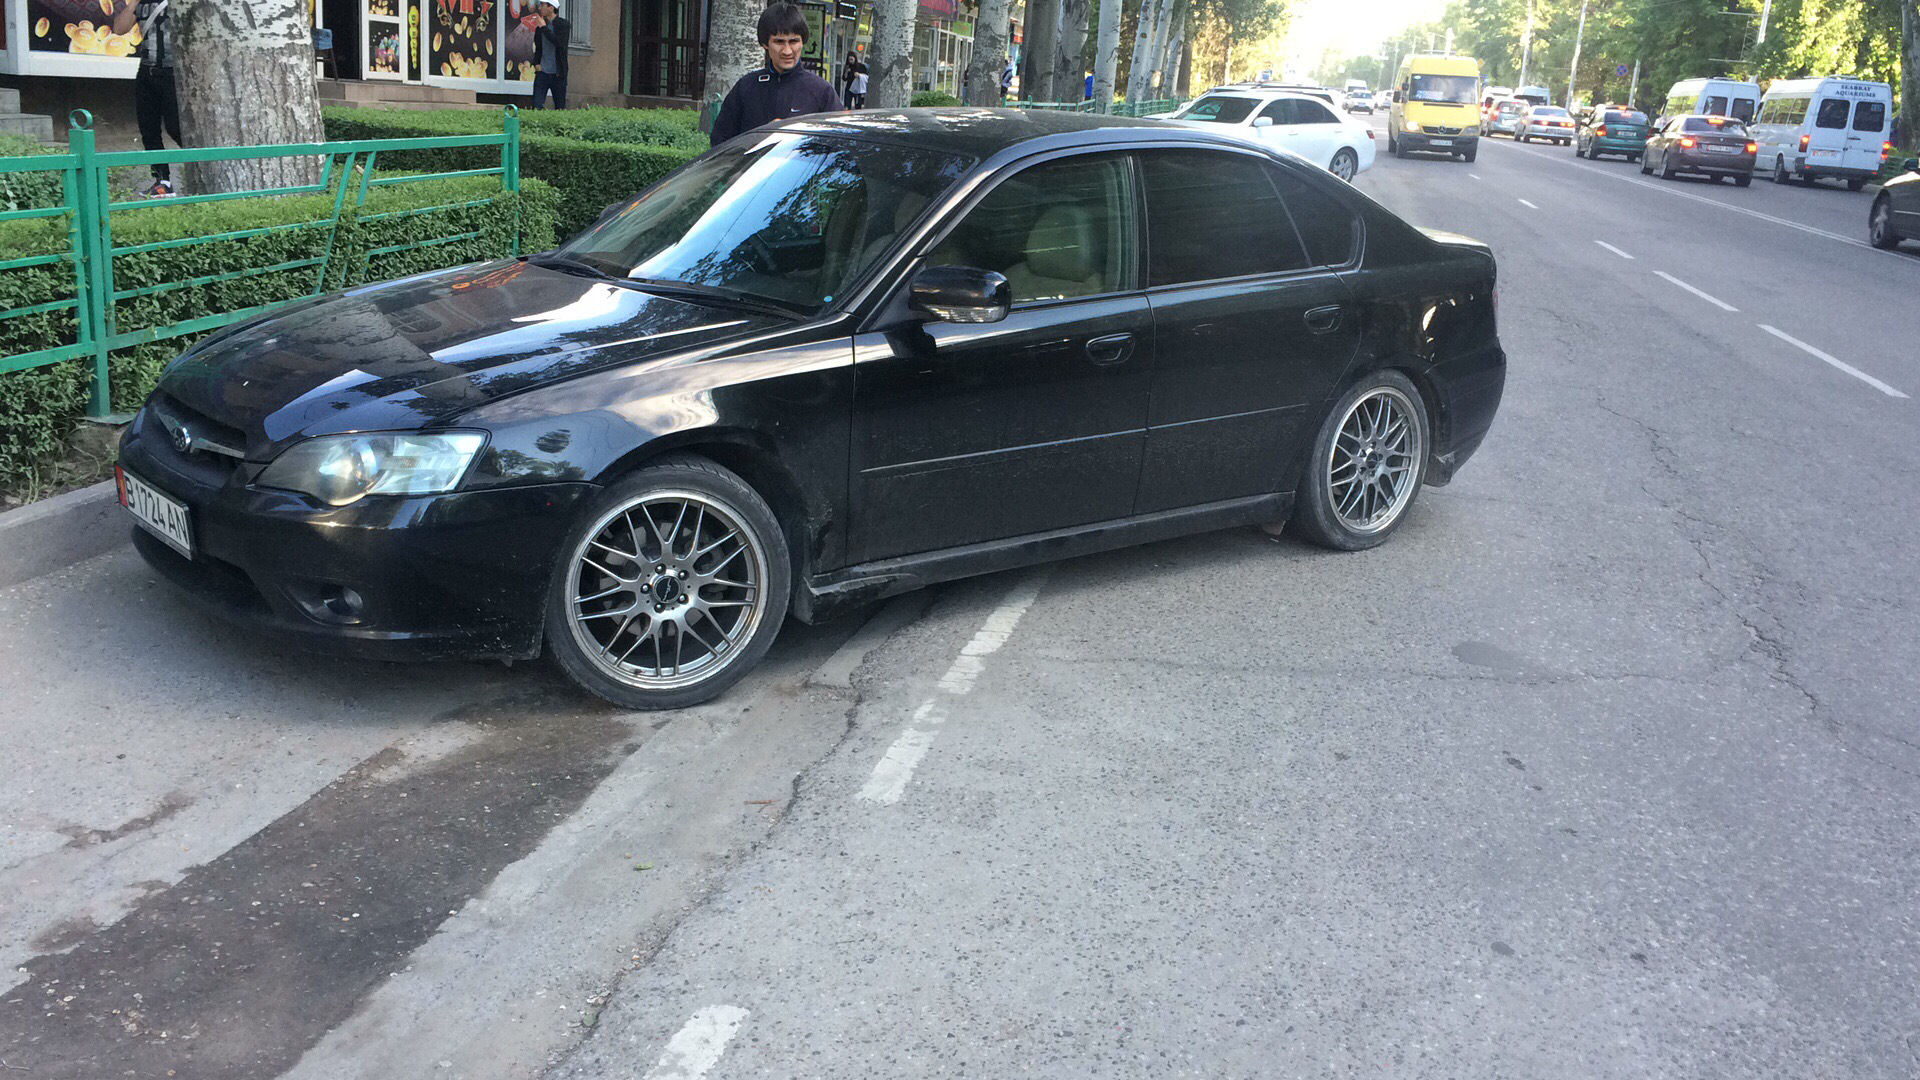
[[982, 133]]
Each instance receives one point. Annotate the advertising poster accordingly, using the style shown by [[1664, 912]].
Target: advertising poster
[[463, 39], [520, 65], [80, 27]]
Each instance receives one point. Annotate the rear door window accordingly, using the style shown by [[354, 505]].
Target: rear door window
[[1743, 108], [1329, 229], [1214, 214], [1312, 112], [1870, 116], [1281, 111], [1832, 114], [1716, 106]]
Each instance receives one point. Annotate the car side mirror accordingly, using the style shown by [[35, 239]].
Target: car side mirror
[[1263, 121], [1913, 164], [961, 294], [1397, 97]]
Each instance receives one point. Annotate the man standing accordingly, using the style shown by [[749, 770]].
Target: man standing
[[1006, 78], [550, 57], [781, 90], [154, 101]]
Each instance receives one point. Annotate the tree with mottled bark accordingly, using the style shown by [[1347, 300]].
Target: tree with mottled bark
[[1038, 81], [1106, 54], [1140, 58], [733, 47], [1070, 64], [890, 74], [991, 33], [1910, 72], [243, 70], [1162, 25]]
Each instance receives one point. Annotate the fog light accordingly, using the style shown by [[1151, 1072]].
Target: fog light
[[329, 602]]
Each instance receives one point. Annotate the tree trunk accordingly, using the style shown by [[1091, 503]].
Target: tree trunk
[[1176, 38], [991, 33], [1041, 43], [1070, 55], [733, 47], [1106, 54], [1226, 62], [890, 74], [1162, 25], [1141, 59], [1910, 73], [244, 76]]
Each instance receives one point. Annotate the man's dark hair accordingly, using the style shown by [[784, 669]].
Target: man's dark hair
[[782, 18]]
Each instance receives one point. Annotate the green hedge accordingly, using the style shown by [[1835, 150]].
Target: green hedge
[[934, 99], [39, 406], [585, 153], [23, 191]]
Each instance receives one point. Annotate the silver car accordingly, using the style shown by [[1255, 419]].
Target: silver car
[[1545, 122]]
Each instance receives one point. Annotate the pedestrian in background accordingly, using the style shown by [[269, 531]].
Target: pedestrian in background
[[781, 90], [856, 82], [155, 103], [550, 57], [1006, 79]]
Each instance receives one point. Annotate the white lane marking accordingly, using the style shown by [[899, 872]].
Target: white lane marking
[[1527, 204], [895, 767], [1613, 249], [1475, 175], [1670, 189], [1709, 298], [697, 1047], [1842, 365]]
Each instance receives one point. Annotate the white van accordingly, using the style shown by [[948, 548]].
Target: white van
[[1713, 97], [1832, 126]]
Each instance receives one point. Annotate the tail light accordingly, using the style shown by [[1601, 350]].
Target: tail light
[[1804, 140], [1600, 129], [1369, 134], [1688, 141], [1753, 148], [1885, 149]]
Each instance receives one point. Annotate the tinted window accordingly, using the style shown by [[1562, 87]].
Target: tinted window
[[1311, 112], [1612, 116], [1057, 230], [1280, 112], [1460, 88], [1712, 125], [785, 217], [1742, 108], [1549, 110], [1716, 106], [1832, 114], [1870, 116], [1214, 215], [1327, 226], [1220, 110]]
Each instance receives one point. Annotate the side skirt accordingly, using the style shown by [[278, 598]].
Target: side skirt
[[824, 596]]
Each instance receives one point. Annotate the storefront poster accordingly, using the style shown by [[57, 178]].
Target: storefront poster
[[463, 39], [519, 46], [80, 27]]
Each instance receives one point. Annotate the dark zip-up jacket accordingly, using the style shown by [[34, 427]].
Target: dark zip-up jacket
[[555, 35], [766, 95]]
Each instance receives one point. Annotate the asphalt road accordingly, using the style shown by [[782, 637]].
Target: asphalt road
[[1605, 766]]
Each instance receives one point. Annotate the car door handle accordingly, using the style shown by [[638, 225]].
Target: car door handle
[[1323, 320], [1112, 349]]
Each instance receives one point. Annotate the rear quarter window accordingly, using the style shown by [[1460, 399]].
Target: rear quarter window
[[1214, 214], [1328, 227]]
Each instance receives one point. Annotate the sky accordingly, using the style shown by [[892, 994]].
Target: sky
[[1354, 27]]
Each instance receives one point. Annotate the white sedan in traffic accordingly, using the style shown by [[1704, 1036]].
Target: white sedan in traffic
[[1295, 122]]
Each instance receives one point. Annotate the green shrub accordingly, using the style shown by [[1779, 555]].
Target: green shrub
[[38, 406], [593, 156], [29, 190], [930, 99]]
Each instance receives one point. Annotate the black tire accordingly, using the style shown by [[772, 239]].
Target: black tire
[[1743, 181], [1646, 164], [1316, 518], [1780, 168], [1519, 136], [1352, 161], [1471, 153], [1666, 167], [1880, 224], [1855, 183], [730, 498]]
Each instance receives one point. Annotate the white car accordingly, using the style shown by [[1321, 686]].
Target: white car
[[1296, 122], [1545, 122]]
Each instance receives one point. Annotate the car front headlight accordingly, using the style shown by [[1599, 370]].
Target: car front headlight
[[1408, 125], [340, 469]]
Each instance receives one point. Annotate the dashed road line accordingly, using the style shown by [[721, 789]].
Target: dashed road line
[[1475, 175], [1613, 249], [1708, 297], [697, 1046], [1841, 364], [1527, 204], [896, 766]]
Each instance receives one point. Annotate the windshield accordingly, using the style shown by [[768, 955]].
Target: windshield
[[1714, 124], [1219, 110], [789, 219], [1464, 89]]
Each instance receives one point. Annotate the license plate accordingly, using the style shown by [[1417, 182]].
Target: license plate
[[1825, 153], [1723, 149], [1439, 142], [160, 514]]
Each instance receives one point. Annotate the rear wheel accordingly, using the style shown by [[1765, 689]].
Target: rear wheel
[[1855, 183], [1666, 168], [1780, 174], [1880, 225], [1369, 460], [1743, 181], [670, 588], [1345, 164], [1646, 164]]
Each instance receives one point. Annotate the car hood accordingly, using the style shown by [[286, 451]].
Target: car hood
[[420, 351]]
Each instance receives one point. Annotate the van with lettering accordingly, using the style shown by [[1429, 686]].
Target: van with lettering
[[1834, 127], [1712, 97], [1436, 106]]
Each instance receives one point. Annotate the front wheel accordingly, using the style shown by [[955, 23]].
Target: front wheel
[[1369, 460], [1471, 153], [1345, 164], [1880, 225], [670, 588]]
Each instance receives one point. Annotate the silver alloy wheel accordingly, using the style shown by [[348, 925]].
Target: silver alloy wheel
[[666, 590], [1345, 165], [1373, 466], [1880, 223]]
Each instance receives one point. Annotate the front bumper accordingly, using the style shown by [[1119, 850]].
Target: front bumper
[[459, 575], [1439, 144]]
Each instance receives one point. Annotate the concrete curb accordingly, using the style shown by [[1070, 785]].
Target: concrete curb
[[55, 533]]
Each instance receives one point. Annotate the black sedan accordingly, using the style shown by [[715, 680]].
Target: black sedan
[[1895, 215], [836, 359], [1709, 146]]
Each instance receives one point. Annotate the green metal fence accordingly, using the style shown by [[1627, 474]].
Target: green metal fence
[[87, 204], [1118, 108]]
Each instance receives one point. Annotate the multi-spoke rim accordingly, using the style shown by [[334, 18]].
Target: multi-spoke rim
[[666, 590], [1372, 471], [1345, 164], [1882, 220]]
